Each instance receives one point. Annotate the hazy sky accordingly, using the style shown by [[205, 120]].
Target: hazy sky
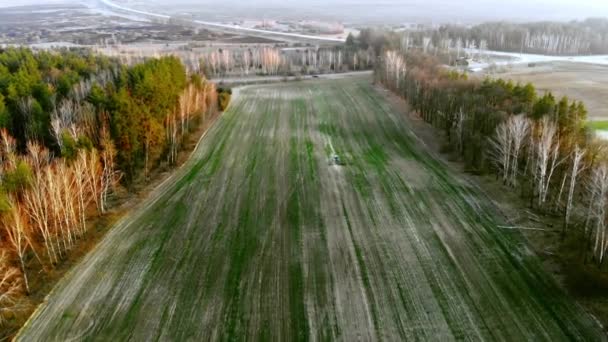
[[441, 10], [375, 10]]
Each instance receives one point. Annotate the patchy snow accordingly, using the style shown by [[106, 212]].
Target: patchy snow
[[12, 3], [221, 26], [134, 11], [44, 46], [109, 13], [526, 58], [601, 134]]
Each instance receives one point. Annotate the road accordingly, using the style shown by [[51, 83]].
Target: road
[[259, 237], [270, 79], [209, 24]]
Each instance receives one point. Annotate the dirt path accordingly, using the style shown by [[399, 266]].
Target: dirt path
[[259, 237], [271, 79]]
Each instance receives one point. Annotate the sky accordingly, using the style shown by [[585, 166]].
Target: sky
[[395, 10], [376, 10]]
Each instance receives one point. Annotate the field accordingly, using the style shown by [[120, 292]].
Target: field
[[74, 24], [599, 125], [260, 237], [583, 82]]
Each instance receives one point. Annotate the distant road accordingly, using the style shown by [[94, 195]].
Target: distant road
[[270, 79], [223, 26]]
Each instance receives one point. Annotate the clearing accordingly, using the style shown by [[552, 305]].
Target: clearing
[[260, 237]]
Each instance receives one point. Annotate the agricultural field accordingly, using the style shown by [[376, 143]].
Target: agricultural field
[[86, 25], [579, 81], [265, 235]]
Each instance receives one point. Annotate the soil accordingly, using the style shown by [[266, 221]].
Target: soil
[[258, 237], [561, 258]]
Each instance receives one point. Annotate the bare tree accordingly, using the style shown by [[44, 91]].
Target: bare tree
[[577, 167], [81, 187], [459, 127], [501, 150], [598, 188], [26, 108], [547, 158], [246, 61], [109, 176], [11, 287], [426, 44], [394, 68], [271, 61], [63, 120], [519, 129], [8, 149], [17, 236], [36, 199], [458, 47], [226, 61], [172, 136]]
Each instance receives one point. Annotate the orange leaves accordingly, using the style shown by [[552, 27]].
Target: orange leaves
[[51, 212], [11, 288]]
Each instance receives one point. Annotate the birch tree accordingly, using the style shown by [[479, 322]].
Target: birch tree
[[547, 158], [11, 287], [81, 187], [501, 147], [246, 61], [109, 177], [519, 129], [37, 202], [599, 192], [17, 235], [459, 127], [576, 167], [394, 67]]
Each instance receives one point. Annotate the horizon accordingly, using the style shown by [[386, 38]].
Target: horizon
[[368, 12]]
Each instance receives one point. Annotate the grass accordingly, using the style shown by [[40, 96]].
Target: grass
[[259, 238], [599, 125]]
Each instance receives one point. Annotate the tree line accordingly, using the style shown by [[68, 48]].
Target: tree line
[[585, 37], [73, 127], [537, 144], [266, 60]]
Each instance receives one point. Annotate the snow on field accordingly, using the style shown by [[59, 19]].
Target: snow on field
[[123, 14], [221, 26], [526, 58], [13, 3], [134, 11], [601, 134], [51, 45]]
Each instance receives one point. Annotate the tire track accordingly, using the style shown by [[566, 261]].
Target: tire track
[[257, 237]]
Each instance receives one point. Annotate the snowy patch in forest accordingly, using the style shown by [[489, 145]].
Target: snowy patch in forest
[[602, 134]]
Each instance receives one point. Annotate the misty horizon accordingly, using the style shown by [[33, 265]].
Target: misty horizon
[[397, 11], [365, 12]]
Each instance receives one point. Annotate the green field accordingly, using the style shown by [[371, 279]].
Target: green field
[[259, 237], [599, 125]]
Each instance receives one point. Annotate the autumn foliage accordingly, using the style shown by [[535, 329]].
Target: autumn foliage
[[73, 128]]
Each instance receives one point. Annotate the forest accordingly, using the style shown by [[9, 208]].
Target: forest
[[537, 144], [74, 127], [552, 38], [267, 60]]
